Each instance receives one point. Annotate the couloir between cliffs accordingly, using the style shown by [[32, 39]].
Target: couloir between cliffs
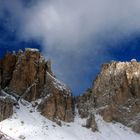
[[115, 94]]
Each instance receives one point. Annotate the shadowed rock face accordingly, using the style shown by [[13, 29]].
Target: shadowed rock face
[[6, 69], [115, 94], [91, 123], [6, 105], [58, 102], [56, 107], [27, 75], [6, 109], [7, 66]]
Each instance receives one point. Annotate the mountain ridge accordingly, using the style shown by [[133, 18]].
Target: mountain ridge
[[27, 78], [27, 75]]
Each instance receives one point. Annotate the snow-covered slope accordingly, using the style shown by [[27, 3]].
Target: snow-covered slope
[[28, 124]]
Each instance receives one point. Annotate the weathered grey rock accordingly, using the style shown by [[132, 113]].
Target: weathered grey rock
[[91, 123], [83, 105]]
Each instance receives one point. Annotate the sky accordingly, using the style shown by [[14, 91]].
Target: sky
[[77, 35]]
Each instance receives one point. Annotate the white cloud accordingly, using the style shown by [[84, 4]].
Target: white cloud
[[64, 23], [74, 28], [71, 22]]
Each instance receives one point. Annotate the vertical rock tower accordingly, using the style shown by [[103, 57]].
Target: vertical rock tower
[[28, 75]]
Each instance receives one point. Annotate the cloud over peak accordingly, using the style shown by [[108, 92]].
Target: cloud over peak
[[72, 31], [62, 22]]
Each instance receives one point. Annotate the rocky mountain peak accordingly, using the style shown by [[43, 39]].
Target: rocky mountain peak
[[27, 75], [115, 94]]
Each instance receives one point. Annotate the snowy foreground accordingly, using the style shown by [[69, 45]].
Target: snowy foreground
[[28, 124]]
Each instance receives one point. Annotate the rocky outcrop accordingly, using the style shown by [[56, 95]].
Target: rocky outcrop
[[115, 94], [91, 123], [83, 104], [27, 75], [6, 105], [6, 109], [57, 103], [24, 73]]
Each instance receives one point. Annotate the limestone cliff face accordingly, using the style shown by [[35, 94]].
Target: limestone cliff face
[[6, 108], [115, 94], [29, 76]]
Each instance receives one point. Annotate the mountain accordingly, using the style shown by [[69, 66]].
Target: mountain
[[27, 123], [34, 104], [115, 95], [26, 75]]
